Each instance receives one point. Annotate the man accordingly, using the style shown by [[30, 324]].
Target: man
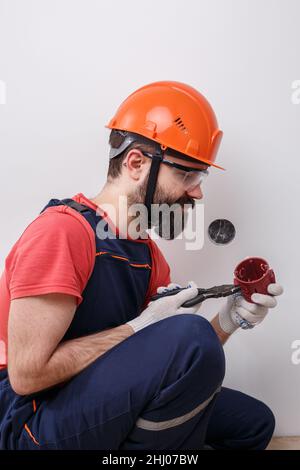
[[87, 361]]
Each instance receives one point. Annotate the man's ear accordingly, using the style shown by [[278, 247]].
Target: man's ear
[[135, 163]]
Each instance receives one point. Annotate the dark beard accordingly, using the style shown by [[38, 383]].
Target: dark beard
[[166, 227]]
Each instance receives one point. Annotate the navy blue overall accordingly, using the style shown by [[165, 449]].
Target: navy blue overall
[[158, 389]]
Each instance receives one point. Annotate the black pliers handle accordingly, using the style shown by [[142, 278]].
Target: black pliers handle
[[203, 294]]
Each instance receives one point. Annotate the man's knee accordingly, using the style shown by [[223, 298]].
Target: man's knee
[[193, 335], [266, 424], [270, 421], [185, 328], [259, 426]]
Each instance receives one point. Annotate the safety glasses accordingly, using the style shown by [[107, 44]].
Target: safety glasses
[[189, 177]]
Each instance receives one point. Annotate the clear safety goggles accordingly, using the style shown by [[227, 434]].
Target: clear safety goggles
[[187, 176]]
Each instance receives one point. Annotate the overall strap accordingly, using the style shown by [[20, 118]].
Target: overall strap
[[67, 202]]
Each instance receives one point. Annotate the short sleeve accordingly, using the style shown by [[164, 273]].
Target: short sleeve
[[161, 270], [55, 254]]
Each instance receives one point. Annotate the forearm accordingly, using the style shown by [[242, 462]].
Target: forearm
[[223, 337], [73, 356]]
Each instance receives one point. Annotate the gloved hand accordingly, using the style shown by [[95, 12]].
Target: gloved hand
[[164, 307], [237, 312], [172, 286]]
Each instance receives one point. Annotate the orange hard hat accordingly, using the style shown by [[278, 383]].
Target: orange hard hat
[[173, 114]]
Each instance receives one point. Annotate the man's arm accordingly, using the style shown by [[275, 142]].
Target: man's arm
[[37, 359], [223, 337]]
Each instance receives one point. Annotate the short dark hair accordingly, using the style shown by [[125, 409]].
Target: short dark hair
[[145, 145]]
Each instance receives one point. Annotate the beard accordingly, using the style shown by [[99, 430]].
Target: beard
[[169, 217]]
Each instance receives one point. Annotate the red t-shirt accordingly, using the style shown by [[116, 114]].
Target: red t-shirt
[[56, 253]]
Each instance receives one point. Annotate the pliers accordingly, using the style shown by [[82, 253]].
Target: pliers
[[203, 294]]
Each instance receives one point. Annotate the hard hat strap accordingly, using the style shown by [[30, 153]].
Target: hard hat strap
[[152, 180]]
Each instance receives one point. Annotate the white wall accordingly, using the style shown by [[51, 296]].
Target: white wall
[[68, 64]]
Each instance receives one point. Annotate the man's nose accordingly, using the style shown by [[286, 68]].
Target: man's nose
[[195, 192]]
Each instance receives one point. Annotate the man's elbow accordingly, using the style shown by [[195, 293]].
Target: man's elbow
[[22, 383], [19, 386]]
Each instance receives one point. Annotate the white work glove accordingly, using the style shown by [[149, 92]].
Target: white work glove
[[172, 286], [237, 312], [164, 307]]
